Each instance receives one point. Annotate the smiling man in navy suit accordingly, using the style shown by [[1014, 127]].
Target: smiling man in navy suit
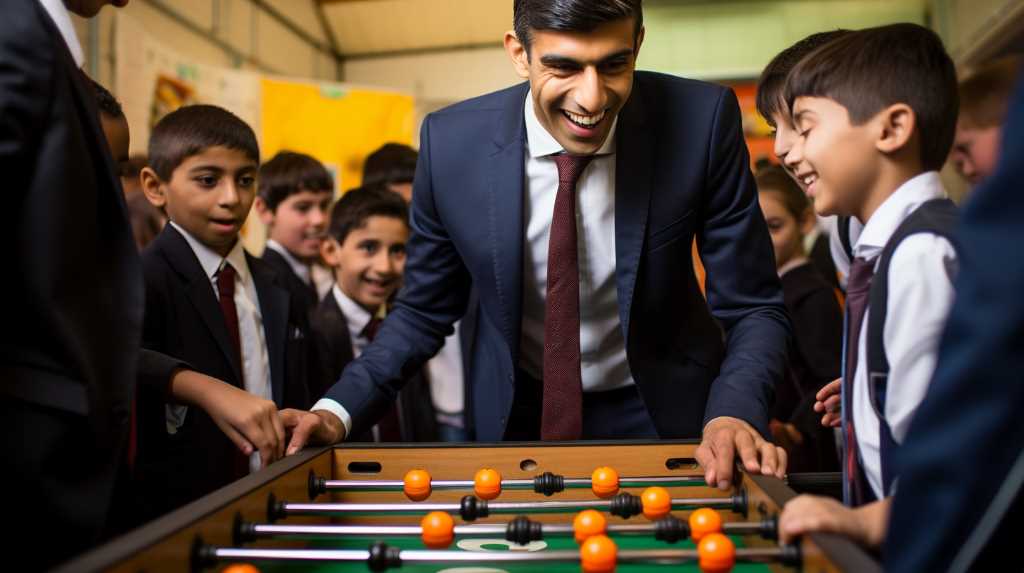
[[570, 202]]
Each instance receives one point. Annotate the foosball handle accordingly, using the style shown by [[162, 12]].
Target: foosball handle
[[740, 502], [275, 509], [241, 531], [317, 485], [201, 556]]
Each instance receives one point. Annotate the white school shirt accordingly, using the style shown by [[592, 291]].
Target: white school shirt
[[255, 358], [603, 363], [920, 295], [60, 16]]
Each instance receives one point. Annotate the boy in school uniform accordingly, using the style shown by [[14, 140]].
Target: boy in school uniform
[[365, 248], [211, 304], [295, 192], [875, 113], [984, 98]]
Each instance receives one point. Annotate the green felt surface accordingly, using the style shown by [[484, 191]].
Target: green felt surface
[[623, 542]]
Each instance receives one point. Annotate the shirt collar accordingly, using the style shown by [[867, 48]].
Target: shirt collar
[[792, 264], [541, 143], [59, 14], [211, 262], [298, 267], [356, 316], [894, 210]]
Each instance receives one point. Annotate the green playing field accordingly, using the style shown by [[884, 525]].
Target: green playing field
[[498, 545]]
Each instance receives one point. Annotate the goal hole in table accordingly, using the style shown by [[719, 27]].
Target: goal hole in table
[[681, 464], [364, 467], [528, 465]]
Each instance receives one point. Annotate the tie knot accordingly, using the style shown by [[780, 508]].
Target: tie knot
[[226, 279], [861, 271], [570, 167]]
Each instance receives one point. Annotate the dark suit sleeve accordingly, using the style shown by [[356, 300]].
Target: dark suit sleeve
[[961, 464], [26, 75], [433, 298], [743, 289]]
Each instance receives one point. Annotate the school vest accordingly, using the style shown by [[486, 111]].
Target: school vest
[[937, 217]]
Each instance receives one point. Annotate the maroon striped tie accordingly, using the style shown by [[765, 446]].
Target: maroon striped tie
[[226, 294], [562, 413]]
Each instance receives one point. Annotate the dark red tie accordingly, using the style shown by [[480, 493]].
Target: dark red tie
[[562, 413], [226, 293], [388, 428], [858, 291]]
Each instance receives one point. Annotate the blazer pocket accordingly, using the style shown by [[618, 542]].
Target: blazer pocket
[[670, 233]]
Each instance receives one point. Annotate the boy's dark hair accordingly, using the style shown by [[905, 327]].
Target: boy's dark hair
[[361, 203], [572, 16], [391, 163], [772, 82], [191, 129], [985, 94], [774, 179], [106, 101], [288, 173], [871, 69]]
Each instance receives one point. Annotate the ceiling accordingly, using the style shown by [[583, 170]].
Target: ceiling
[[414, 26]]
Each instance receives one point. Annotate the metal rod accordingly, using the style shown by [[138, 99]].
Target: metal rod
[[667, 556], [570, 483], [261, 530], [289, 508]]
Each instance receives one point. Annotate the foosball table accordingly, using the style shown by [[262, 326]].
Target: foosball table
[[640, 507]]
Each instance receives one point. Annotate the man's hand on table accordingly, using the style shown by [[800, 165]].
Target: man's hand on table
[[316, 428], [727, 438]]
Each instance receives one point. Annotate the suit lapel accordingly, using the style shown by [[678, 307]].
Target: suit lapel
[[274, 302], [200, 293], [634, 170], [505, 169]]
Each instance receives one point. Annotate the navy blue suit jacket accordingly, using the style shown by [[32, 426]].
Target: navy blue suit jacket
[[961, 467], [682, 170]]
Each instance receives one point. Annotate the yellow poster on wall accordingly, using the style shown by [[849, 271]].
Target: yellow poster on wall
[[337, 124]]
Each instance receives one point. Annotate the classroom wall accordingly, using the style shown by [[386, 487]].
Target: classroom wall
[[255, 40]]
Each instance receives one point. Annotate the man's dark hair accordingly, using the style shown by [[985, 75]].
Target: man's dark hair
[[358, 205], [190, 130], [871, 69], [572, 16], [774, 179], [106, 101], [288, 173], [773, 78], [391, 163]]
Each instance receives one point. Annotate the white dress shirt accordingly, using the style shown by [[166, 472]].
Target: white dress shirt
[[920, 295], [444, 372], [602, 346], [60, 16], [301, 269], [255, 358]]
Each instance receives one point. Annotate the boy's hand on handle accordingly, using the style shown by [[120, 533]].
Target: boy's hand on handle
[[249, 421], [727, 438], [319, 427], [829, 404], [865, 525]]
